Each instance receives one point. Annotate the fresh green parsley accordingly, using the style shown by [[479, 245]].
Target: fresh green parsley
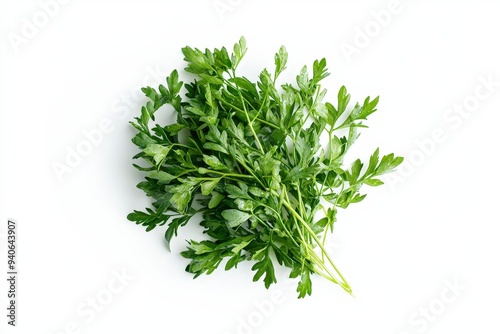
[[246, 157]]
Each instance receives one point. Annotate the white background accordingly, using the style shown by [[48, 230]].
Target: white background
[[436, 223]]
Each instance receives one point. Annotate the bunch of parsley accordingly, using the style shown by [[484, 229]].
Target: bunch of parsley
[[246, 156]]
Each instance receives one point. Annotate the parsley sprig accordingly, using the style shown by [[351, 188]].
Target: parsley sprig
[[247, 157]]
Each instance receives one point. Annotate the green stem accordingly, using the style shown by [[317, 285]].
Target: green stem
[[256, 118], [288, 205], [311, 254], [259, 145], [231, 174]]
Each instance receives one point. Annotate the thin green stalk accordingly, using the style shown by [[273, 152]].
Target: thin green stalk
[[323, 250]]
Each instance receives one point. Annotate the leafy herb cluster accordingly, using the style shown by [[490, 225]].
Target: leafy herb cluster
[[249, 154]]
